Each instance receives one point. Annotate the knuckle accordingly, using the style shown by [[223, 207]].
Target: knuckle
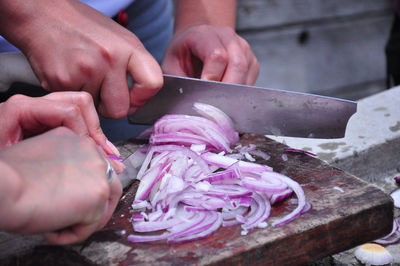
[[73, 111], [12, 102], [16, 98], [84, 98], [219, 55], [228, 30], [240, 63], [154, 83], [61, 81], [64, 131]]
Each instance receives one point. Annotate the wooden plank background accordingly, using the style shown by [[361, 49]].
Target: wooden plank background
[[331, 47]]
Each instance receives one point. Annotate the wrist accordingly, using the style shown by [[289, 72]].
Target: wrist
[[205, 12], [10, 192]]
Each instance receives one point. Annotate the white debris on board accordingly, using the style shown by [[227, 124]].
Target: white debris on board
[[180, 90], [338, 189], [104, 253]]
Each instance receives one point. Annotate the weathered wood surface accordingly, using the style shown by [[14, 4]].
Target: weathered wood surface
[[263, 14], [331, 47], [338, 221]]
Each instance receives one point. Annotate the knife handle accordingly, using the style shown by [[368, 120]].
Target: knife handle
[[14, 67]]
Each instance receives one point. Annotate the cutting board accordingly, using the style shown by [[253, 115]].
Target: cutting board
[[346, 212]]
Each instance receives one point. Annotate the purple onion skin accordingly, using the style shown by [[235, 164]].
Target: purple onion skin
[[397, 179]]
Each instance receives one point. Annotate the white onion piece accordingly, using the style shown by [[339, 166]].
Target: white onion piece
[[396, 197], [225, 162]]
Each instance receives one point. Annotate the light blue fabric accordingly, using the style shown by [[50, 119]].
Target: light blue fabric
[[107, 7], [152, 22]]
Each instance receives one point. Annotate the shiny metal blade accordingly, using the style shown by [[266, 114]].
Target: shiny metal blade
[[252, 109], [129, 174]]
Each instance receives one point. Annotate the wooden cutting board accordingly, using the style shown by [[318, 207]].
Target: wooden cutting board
[[346, 212]]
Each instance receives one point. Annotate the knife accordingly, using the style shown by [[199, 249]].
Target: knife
[[253, 109]]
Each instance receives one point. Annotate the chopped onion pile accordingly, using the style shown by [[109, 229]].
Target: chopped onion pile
[[192, 181]]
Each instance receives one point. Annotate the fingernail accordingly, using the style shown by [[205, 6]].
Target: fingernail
[[132, 110], [113, 148], [211, 78]]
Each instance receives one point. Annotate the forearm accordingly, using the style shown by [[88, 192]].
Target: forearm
[[17, 19], [211, 12]]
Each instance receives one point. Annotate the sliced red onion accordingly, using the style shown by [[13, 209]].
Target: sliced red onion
[[279, 196], [191, 186], [156, 225], [228, 214], [220, 118], [114, 157], [260, 214], [137, 217], [261, 185], [396, 197], [225, 162], [201, 231], [149, 180], [393, 237], [300, 196]]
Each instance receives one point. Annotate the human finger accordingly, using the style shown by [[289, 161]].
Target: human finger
[[147, 76], [214, 58], [114, 94], [253, 72], [115, 195], [88, 111], [36, 115], [238, 57]]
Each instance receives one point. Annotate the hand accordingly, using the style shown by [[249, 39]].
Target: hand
[[60, 187], [24, 116], [73, 47], [213, 53]]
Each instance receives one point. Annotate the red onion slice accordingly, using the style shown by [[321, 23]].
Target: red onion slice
[[396, 197], [220, 118], [225, 162], [300, 196]]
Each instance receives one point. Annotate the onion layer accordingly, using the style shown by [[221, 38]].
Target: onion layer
[[191, 184]]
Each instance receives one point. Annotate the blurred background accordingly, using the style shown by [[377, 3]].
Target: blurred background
[[330, 47]]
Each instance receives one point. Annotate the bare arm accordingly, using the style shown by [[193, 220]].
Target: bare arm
[[193, 13], [71, 46]]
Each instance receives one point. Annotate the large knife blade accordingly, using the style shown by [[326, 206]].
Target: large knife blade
[[252, 109]]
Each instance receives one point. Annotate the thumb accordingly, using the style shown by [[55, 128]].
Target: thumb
[[147, 76]]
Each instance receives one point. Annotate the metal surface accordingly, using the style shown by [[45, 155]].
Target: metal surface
[[129, 174], [252, 109]]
